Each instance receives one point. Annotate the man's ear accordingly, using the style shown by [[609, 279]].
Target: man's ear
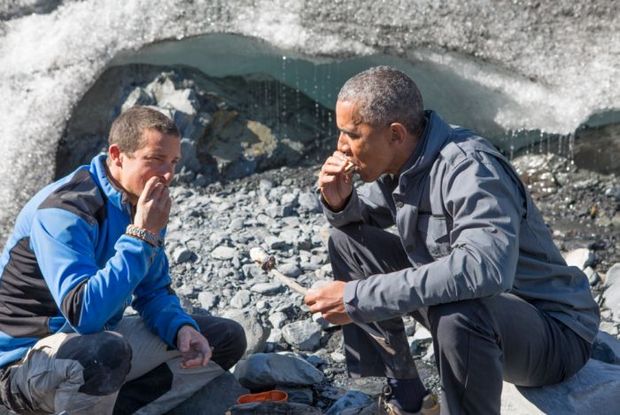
[[399, 133], [115, 155]]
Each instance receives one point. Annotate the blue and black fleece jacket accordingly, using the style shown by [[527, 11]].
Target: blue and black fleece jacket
[[68, 266]]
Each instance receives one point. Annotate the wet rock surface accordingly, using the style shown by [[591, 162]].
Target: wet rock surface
[[231, 127]]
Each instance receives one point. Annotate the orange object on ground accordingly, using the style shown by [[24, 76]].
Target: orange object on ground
[[273, 395]]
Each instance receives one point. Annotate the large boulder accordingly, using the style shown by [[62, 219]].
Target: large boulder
[[593, 390], [213, 399], [265, 370]]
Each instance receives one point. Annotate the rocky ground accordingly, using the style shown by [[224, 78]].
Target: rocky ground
[[236, 191], [213, 228]]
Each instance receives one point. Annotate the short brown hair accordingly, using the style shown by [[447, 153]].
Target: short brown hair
[[128, 128]]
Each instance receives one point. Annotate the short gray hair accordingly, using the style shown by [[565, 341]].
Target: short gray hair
[[384, 95]]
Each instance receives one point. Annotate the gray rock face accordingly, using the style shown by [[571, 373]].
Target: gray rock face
[[612, 294], [214, 398], [606, 348], [613, 275], [593, 390], [273, 408], [263, 370], [350, 400], [304, 334], [256, 334]]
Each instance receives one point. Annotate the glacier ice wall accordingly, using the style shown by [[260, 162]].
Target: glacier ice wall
[[549, 66]]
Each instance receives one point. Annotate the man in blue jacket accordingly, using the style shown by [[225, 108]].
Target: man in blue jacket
[[471, 258], [83, 249]]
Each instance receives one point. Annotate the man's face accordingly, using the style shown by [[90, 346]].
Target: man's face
[[369, 147], [157, 157]]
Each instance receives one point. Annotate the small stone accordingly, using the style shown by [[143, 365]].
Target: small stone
[[309, 202], [338, 357], [275, 336], [223, 252], [321, 321], [289, 236], [256, 334], [262, 305], [303, 335], [278, 319], [606, 326], [218, 238], [182, 254], [290, 270], [241, 299], [274, 242], [208, 300], [185, 290], [267, 288], [265, 186], [580, 258], [593, 277]]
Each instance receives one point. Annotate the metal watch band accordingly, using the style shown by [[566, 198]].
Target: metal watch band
[[146, 236]]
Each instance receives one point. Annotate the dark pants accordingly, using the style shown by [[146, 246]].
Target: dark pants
[[477, 343]]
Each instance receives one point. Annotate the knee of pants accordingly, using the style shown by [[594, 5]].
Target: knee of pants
[[230, 340], [337, 241], [450, 322], [338, 245], [105, 359], [238, 344]]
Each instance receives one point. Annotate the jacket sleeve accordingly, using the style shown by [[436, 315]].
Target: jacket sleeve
[[87, 294], [486, 204], [158, 305], [366, 204]]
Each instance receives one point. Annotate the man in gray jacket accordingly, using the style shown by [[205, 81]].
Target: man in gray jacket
[[471, 258]]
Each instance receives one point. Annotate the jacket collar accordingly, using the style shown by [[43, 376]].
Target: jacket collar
[[115, 196], [434, 137]]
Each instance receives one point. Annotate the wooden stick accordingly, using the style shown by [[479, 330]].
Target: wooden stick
[[268, 263]]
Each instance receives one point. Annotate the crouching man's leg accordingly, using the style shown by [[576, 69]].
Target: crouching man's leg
[[356, 252], [157, 382], [478, 343], [68, 372]]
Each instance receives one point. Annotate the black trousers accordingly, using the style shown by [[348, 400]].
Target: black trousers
[[478, 343]]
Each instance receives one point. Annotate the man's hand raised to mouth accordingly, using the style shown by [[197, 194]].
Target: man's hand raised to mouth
[[153, 207], [335, 181]]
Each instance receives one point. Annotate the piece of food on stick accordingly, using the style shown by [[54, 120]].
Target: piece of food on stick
[[349, 167]]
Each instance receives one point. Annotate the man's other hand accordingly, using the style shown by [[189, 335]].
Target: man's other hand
[[194, 347], [328, 300], [153, 207]]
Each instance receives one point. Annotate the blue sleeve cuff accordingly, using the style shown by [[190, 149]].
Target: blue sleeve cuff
[[175, 325]]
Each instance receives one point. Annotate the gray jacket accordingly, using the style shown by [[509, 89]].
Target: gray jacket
[[470, 230]]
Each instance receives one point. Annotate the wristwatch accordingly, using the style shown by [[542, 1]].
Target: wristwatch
[[146, 236]]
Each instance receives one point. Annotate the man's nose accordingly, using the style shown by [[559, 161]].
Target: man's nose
[[168, 174], [343, 143]]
